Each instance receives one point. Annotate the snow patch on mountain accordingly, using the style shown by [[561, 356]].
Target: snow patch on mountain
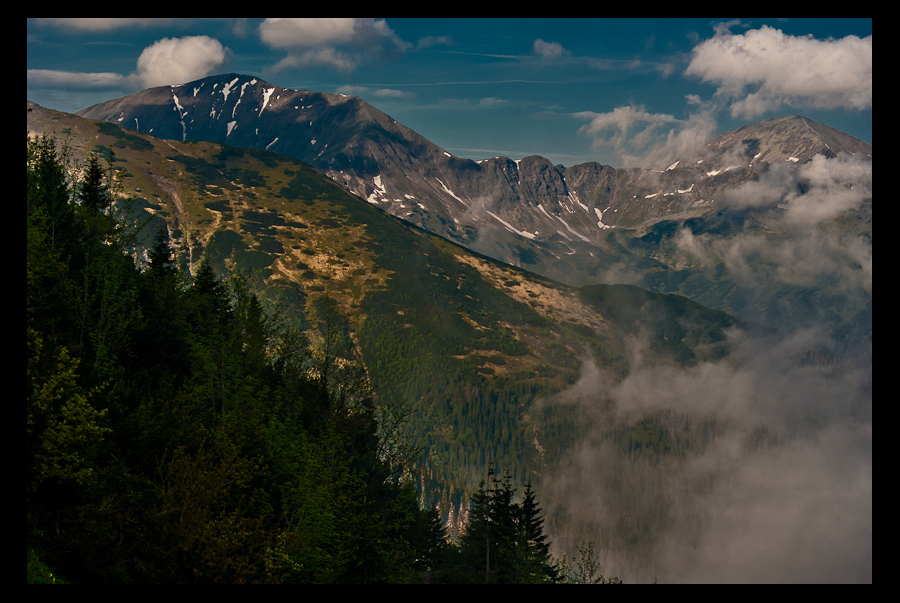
[[570, 229], [573, 196], [600, 218], [544, 211], [181, 114], [509, 227], [266, 94], [380, 190], [451, 193], [226, 89]]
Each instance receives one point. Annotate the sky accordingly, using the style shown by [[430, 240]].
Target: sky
[[624, 92]]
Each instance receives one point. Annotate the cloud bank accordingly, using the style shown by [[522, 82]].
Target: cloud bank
[[763, 69], [756, 72], [649, 140], [341, 44], [767, 476], [796, 246]]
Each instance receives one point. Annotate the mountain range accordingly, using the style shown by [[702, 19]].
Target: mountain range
[[474, 292], [580, 225], [439, 328]]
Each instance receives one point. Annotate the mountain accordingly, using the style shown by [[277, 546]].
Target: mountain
[[580, 225], [655, 424], [791, 138], [466, 343]]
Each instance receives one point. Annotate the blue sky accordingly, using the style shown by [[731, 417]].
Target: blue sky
[[619, 91]]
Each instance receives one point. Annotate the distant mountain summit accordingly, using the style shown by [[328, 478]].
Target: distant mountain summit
[[791, 138]]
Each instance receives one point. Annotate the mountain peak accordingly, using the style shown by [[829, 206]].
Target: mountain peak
[[792, 138]]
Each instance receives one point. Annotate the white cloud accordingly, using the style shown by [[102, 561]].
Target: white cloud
[[724, 28], [322, 57], [102, 24], [429, 41], [48, 78], [491, 101], [180, 60], [643, 139], [549, 50], [377, 92], [306, 33], [342, 44], [763, 69], [798, 246]]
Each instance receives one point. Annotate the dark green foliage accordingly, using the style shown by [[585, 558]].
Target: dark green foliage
[[178, 432], [124, 138], [504, 541], [305, 184], [220, 206]]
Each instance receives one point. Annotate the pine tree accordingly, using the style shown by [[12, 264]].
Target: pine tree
[[475, 541], [535, 561], [503, 515], [504, 542], [95, 199]]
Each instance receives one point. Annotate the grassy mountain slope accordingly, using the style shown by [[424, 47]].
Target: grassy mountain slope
[[465, 343]]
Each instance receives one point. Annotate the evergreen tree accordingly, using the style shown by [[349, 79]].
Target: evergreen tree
[[475, 541], [504, 542], [95, 199], [534, 562]]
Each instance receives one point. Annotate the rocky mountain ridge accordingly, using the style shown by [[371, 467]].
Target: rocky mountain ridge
[[493, 205], [580, 225]]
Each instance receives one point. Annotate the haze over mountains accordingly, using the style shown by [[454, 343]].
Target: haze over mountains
[[699, 451]]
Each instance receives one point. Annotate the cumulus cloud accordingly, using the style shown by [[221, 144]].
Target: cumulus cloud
[[763, 69], [341, 44], [649, 140], [180, 60]]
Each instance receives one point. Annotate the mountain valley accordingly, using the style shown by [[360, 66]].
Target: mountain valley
[[587, 328]]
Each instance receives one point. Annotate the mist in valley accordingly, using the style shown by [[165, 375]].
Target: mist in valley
[[756, 467]]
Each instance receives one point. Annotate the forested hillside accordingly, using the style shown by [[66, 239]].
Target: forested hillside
[[178, 432]]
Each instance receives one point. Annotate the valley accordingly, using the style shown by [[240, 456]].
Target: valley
[[626, 339]]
